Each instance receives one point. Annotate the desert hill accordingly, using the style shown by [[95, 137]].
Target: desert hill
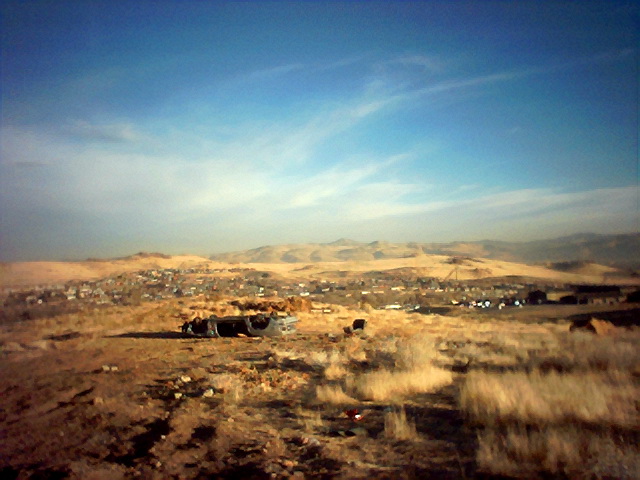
[[621, 251], [33, 273], [445, 267], [561, 260], [23, 274]]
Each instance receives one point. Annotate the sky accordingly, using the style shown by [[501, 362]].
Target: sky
[[207, 126]]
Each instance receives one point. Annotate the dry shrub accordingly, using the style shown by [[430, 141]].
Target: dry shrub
[[335, 372], [383, 385], [537, 398], [398, 427], [570, 452], [414, 371], [393, 352], [587, 351], [333, 362], [333, 394], [354, 349], [323, 358], [415, 353], [559, 424]]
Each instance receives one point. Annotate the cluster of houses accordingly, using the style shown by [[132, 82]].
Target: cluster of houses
[[381, 290]]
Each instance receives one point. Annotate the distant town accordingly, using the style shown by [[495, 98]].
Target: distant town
[[378, 290]]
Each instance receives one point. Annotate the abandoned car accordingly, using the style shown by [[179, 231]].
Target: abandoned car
[[259, 325]]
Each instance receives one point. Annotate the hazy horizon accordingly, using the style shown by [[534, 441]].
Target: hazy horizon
[[210, 127], [114, 255]]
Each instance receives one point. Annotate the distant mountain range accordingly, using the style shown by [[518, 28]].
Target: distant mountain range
[[621, 251]]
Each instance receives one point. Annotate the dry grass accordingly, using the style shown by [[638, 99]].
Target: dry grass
[[398, 427], [539, 398], [568, 452], [333, 395], [405, 367], [323, 358], [585, 351], [416, 353], [571, 410], [385, 385], [335, 371]]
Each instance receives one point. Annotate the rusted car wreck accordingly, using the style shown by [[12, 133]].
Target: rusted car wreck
[[259, 325]]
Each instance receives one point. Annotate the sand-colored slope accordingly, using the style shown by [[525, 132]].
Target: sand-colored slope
[[40, 273], [437, 266], [603, 249]]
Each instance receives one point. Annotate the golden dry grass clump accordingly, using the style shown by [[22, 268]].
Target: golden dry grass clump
[[561, 453], [333, 394], [397, 369], [414, 372], [541, 398], [394, 385], [398, 427], [574, 413]]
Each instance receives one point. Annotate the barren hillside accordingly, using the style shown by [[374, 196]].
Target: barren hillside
[[22, 274], [35, 273], [440, 267], [612, 250]]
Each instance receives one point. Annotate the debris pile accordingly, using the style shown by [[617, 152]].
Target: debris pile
[[290, 304]]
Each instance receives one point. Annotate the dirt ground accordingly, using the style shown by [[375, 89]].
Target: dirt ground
[[120, 393]]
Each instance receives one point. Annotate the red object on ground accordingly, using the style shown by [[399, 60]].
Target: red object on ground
[[353, 414]]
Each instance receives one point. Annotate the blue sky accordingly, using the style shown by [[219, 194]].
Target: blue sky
[[203, 127]]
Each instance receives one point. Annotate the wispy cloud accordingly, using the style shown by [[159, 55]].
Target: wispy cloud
[[112, 132], [331, 185], [272, 172]]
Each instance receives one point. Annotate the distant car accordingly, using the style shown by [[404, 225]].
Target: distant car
[[259, 325]]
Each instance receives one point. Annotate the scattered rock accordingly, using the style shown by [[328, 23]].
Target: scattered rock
[[208, 393], [185, 378], [307, 441], [177, 395]]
